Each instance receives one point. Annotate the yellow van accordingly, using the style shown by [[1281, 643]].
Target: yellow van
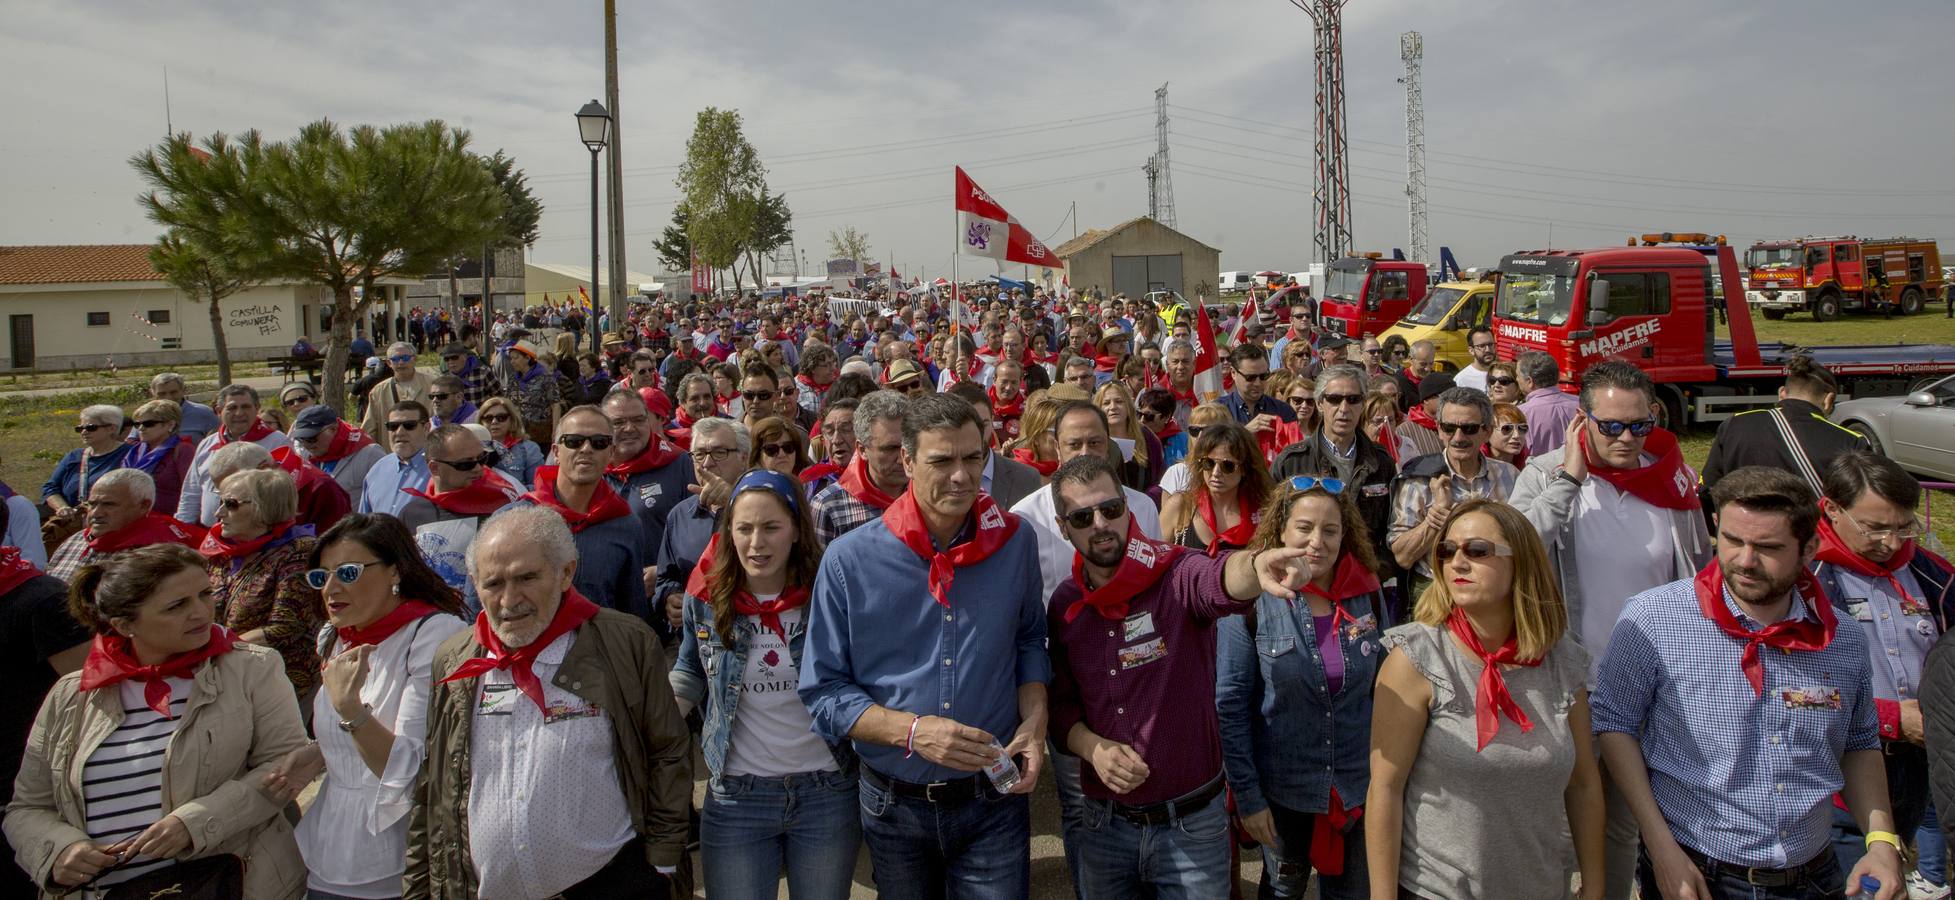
[[1443, 317]]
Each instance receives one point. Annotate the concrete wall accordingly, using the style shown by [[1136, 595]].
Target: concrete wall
[[1093, 267], [259, 322]]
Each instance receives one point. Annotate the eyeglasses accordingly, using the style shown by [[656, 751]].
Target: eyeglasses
[[493, 418], [784, 448], [1479, 347], [1466, 428], [1905, 533], [404, 426], [90, 428], [400, 359], [1502, 380], [1306, 482], [1475, 548], [1612, 429], [151, 423], [1513, 428], [1108, 511], [347, 573], [294, 401], [488, 458], [1256, 378], [598, 442], [434, 396], [231, 505], [1341, 399], [715, 455]]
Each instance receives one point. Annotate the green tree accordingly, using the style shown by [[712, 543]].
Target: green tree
[[673, 247], [771, 226], [723, 186], [847, 243], [186, 183], [201, 278]]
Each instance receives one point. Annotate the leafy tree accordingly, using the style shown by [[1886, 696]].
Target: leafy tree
[[518, 225], [847, 243], [673, 247], [724, 186], [771, 226], [186, 181], [204, 278]]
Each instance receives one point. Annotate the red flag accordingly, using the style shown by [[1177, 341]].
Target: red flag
[[1208, 362], [985, 229], [1242, 324]]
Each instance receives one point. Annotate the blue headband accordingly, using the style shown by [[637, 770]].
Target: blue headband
[[772, 482]]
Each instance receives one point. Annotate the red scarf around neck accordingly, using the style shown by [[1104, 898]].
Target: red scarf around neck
[[1238, 534], [1005, 409], [657, 455], [1172, 428], [406, 613], [510, 440], [1141, 568], [605, 503], [1833, 550], [792, 597], [258, 432], [1030, 457], [480, 497], [1786, 635], [1186, 398], [1105, 363], [221, 550], [1350, 579], [855, 479], [820, 388], [572, 611], [1417, 415], [1666, 483], [817, 472], [154, 528], [14, 571], [1491, 700], [994, 527], [112, 660], [346, 441]]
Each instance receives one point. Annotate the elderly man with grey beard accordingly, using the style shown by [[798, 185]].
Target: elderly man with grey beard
[[556, 757]]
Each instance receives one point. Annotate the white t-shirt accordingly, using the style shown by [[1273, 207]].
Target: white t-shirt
[[1472, 376], [772, 733], [1629, 550], [1176, 479]]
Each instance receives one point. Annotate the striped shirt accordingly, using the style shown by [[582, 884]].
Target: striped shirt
[[122, 782]]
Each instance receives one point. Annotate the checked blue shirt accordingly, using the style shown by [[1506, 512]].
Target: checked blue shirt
[[1743, 779]]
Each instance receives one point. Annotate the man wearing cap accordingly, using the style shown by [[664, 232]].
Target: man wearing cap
[[646, 469], [451, 406], [458, 360], [1331, 351], [1419, 433], [331, 443], [610, 566], [405, 384]]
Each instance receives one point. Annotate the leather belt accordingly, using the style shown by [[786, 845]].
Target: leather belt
[[1758, 876], [1167, 811], [961, 790]]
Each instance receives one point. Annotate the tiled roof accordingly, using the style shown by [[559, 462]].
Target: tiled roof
[[76, 263]]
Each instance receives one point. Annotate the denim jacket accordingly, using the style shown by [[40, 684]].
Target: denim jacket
[[1284, 738], [707, 673]]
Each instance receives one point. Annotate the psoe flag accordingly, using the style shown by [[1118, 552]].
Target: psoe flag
[[985, 229]]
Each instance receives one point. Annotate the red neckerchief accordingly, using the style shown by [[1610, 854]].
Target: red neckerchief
[[821, 390], [154, 528], [1417, 415], [696, 582], [1240, 533], [346, 441], [1786, 636], [657, 455], [1833, 550], [510, 440], [1002, 409], [221, 550], [1350, 579], [792, 597], [1491, 699], [111, 661], [1030, 457], [1105, 363], [817, 472], [14, 571], [1186, 397], [572, 611], [1169, 430], [1666, 483], [994, 528], [723, 404], [605, 503], [480, 497], [855, 479], [407, 612], [256, 433], [1141, 568]]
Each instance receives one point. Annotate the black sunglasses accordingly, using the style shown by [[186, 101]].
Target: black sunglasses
[[577, 441], [1341, 399], [782, 448], [493, 418], [757, 396], [294, 401], [1195, 431], [90, 428], [398, 426], [1108, 511], [1502, 380], [1476, 548], [434, 396], [1466, 428], [150, 423], [1245, 376], [1639, 428], [488, 458]]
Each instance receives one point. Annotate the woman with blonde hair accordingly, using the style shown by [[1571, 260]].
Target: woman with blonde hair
[[158, 448], [257, 554], [1481, 716], [778, 447], [520, 455], [1225, 500], [1143, 469], [1380, 421], [1503, 384], [1037, 446]]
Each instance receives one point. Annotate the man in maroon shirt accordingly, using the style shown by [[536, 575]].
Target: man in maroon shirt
[[1143, 613]]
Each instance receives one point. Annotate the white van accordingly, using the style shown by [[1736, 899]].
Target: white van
[[1234, 282]]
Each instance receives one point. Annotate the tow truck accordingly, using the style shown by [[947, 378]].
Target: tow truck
[[1825, 275], [1656, 306], [1364, 294]]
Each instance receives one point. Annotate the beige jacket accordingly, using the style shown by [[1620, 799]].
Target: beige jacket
[[241, 718], [382, 398]]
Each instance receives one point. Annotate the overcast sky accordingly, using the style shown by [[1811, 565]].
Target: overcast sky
[[1593, 121]]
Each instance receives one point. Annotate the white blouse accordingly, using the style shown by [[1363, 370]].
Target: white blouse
[[354, 838]]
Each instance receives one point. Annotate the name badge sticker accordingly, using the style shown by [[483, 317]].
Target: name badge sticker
[[497, 700], [1141, 654], [1138, 625]]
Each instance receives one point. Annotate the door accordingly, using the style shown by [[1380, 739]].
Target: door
[[22, 331], [1924, 436]]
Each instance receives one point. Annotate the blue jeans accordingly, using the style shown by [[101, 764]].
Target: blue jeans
[[1184, 858], [979, 849], [1066, 770], [1934, 849], [1828, 881], [1286, 867], [755, 828]]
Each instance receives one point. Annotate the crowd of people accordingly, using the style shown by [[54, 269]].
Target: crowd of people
[[1401, 632]]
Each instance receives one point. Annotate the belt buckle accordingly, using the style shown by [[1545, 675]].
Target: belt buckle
[[930, 791], [1772, 878]]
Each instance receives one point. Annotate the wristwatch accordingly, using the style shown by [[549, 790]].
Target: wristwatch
[[1562, 474], [366, 712]]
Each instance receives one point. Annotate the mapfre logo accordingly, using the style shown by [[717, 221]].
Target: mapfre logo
[[1523, 333], [1634, 336]]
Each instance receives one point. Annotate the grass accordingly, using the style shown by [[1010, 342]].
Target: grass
[[85, 376], [1931, 327]]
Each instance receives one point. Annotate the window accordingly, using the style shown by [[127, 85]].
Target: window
[[1845, 253], [1917, 267], [158, 316], [98, 320], [1638, 294], [1391, 285]]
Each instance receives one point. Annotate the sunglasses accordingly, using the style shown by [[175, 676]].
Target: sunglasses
[[1475, 548], [757, 396], [1302, 400], [1466, 428], [1341, 399], [1513, 428], [1195, 431], [400, 359], [434, 396], [1224, 466], [151, 423], [599, 442], [1639, 428], [232, 505], [403, 426], [784, 448], [488, 458], [1108, 511], [347, 573], [644, 371], [1306, 482], [1258, 379], [1148, 415], [90, 428], [494, 418], [1503, 381], [294, 401]]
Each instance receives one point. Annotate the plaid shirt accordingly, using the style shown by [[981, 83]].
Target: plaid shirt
[[1742, 778], [836, 512], [69, 556], [1495, 481]]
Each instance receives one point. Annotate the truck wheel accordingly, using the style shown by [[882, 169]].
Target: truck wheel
[[1670, 413], [1873, 443], [1911, 302], [1773, 314], [1826, 308]]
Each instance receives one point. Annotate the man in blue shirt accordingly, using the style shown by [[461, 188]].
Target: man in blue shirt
[[1732, 707], [1252, 407], [407, 434], [925, 647]]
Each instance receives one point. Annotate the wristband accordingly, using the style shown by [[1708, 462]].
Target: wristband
[[1884, 837], [909, 744]]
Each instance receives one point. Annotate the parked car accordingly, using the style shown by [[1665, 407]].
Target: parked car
[[1234, 282], [1917, 431]]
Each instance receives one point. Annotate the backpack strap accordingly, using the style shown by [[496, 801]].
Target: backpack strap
[[1799, 457]]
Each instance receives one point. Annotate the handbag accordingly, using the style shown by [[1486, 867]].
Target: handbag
[[219, 877]]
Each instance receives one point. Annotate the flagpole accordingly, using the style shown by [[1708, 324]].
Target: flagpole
[[956, 248]]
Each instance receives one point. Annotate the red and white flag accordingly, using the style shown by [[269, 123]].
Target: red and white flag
[[985, 229], [1242, 324], [1208, 361]]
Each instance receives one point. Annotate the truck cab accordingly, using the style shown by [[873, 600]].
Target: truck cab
[[1651, 306], [1364, 295], [1444, 317]]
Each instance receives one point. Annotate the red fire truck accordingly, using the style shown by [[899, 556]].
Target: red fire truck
[[1826, 275], [1366, 294], [1656, 306]]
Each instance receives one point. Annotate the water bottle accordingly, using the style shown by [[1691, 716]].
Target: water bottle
[[1003, 771], [1869, 886]]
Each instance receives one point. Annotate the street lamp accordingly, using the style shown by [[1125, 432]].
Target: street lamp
[[593, 125]]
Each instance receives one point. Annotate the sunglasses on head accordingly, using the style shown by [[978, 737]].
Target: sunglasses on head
[[487, 458], [494, 418], [1639, 428], [1466, 428], [599, 442], [404, 426], [1341, 399], [1475, 548], [1224, 466], [1108, 511], [347, 573], [1306, 482]]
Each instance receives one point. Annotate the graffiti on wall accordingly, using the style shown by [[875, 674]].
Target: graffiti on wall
[[256, 317]]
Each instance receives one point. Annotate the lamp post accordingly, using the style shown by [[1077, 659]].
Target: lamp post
[[593, 122]]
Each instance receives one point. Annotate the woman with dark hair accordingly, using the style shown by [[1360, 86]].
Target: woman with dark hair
[[778, 447], [1220, 509], [142, 770], [387, 612], [851, 386], [1296, 670], [779, 798], [1156, 408], [593, 382]]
